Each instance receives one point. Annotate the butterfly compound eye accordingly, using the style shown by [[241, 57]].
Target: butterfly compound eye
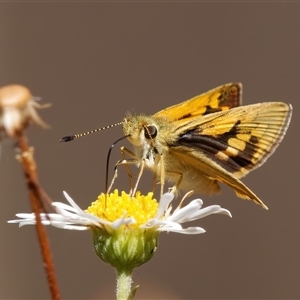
[[150, 132]]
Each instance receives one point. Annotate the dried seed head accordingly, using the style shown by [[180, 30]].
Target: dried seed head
[[14, 95], [18, 109]]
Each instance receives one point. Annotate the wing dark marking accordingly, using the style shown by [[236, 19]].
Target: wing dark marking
[[212, 145]]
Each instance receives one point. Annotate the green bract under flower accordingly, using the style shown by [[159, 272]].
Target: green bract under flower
[[125, 248], [112, 207]]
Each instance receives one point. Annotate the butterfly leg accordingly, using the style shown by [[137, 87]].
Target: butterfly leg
[[154, 182], [125, 162], [135, 161], [131, 154], [139, 177], [162, 173], [175, 188], [160, 160]]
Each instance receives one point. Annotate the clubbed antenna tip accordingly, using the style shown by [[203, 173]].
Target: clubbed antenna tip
[[67, 138]]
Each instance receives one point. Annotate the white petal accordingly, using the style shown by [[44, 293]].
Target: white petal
[[71, 201], [23, 223], [14, 221], [25, 216], [30, 219], [68, 226], [78, 215], [225, 212], [164, 202], [150, 223], [93, 219], [167, 224], [206, 211], [182, 215], [185, 196], [62, 207], [189, 230], [122, 221]]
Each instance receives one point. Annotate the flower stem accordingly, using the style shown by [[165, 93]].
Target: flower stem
[[124, 282]]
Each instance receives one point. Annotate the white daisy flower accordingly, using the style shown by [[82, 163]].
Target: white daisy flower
[[113, 211], [126, 229]]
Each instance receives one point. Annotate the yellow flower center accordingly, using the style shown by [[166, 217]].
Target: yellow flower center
[[112, 206]]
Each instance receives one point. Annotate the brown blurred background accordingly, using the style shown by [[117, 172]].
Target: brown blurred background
[[96, 61]]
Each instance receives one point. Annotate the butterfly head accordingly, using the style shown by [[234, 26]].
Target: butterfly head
[[141, 130]]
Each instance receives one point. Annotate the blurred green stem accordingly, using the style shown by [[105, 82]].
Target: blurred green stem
[[124, 282]]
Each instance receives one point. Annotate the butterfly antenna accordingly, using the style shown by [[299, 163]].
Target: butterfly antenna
[[69, 138]]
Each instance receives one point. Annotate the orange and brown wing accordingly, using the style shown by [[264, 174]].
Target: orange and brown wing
[[241, 139], [230, 144], [221, 98]]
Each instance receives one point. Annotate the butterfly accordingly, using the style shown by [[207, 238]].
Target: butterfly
[[209, 139], [206, 140]]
